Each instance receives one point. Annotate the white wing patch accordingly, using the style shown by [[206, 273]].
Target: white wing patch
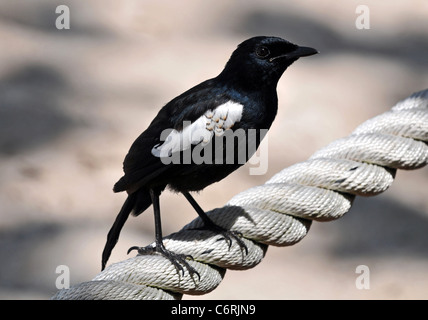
[[213, 122]]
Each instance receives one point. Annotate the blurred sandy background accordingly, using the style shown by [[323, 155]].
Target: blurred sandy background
[[73, 101]]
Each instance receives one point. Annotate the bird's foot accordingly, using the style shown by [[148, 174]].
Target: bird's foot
[[228, 235], [178, 260]]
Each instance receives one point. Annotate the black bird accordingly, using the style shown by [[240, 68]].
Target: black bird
[[242, 97]]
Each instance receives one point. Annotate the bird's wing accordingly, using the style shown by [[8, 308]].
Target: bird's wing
[[214, 121], [189, 119]]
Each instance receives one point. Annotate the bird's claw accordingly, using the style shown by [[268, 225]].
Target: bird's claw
[[228, 235], [178, 260]]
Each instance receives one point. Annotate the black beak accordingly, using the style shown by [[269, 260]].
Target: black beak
[[298, 53], [302, 52]]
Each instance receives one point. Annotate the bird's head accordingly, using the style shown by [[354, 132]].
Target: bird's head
[[260, 61]]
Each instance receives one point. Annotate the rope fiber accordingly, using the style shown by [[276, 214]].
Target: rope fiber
[[277, 213]]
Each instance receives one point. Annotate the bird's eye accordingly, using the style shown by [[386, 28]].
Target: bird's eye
[[262, 52]]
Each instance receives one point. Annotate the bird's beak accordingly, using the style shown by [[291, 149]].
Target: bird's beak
[[298, 53], [302, 52]]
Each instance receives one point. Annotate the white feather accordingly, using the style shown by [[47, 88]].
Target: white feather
[[202, 130]]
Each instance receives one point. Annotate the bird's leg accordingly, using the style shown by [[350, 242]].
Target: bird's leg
[[178, 260], [209, 224]]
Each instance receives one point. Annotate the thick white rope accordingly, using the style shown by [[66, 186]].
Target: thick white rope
[[278, 213]]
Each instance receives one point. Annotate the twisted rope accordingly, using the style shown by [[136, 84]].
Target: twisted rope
[[278, 213]]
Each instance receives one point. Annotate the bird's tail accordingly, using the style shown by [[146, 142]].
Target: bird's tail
[[136, 203]]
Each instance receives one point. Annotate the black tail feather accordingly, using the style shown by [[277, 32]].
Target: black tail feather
[[136, 203]]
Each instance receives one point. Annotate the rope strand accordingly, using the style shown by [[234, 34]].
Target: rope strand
[[278, 213]]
